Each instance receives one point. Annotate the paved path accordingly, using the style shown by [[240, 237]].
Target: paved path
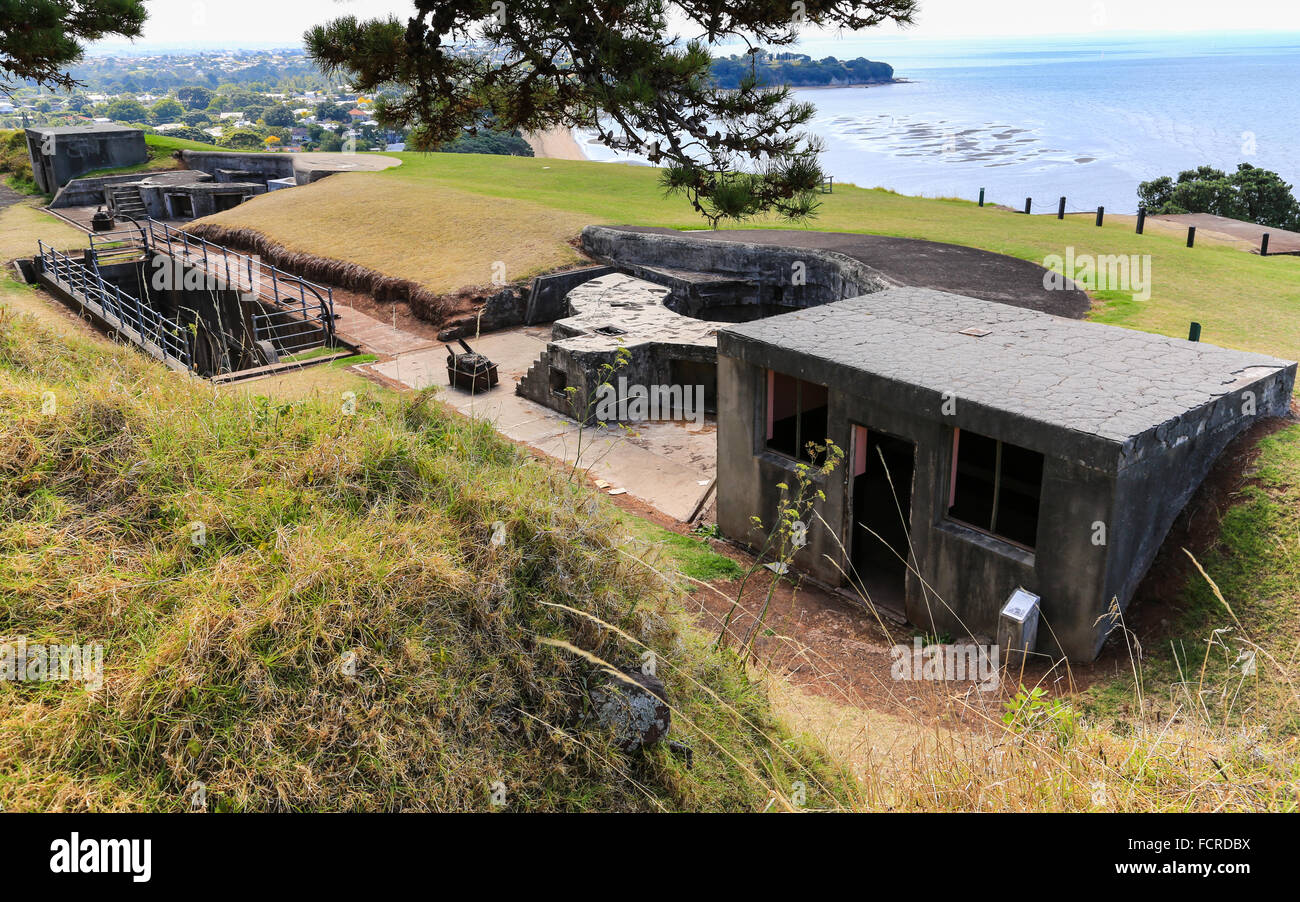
[[1245, 234], [914, 263], [373, 336], [668, 466]]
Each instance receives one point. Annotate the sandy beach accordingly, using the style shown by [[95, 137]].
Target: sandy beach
[[555, 144]]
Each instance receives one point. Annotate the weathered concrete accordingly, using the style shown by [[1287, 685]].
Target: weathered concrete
[[1128, 424], [303, 168], [95, 191], [61, 154], [547, 299], [665, 465], [612, 317], [169, 197], [781, 276], [911, 262]]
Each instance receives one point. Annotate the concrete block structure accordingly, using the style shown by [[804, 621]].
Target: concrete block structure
[[60, 154], [987, 447]]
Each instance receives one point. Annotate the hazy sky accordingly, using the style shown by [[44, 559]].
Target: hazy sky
[[236, 23]]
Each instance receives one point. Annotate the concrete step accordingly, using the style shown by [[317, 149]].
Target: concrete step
[[535, 383]]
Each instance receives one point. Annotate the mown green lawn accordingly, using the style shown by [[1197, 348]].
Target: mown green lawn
[[1242, 300]]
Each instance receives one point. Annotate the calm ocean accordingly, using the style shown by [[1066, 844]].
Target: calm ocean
[[1086, 118]]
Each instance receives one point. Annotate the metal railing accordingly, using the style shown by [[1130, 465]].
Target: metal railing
[[294, 314], [288, 295], [161, 337]]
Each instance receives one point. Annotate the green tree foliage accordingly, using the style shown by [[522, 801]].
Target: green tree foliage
[[242, 139], [127, 109], [497, 142], [195, 97], [191, 134], [1251, 194], [41, 39], [278, 115], [166, 110], [616, 69], [15, 163], [331, 112], [798, 70]]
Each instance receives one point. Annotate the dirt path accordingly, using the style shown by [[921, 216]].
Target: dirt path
[[8, 196]]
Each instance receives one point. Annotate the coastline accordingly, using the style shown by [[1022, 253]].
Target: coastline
[[555, 143], [866, 84]]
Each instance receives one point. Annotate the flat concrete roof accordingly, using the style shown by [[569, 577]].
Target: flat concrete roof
[[1103, 381], [101, 128]]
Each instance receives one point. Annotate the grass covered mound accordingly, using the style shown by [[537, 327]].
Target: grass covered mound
[[301, 607]]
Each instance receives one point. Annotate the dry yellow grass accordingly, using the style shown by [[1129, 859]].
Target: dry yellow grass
[[438, 237], [22, 224]]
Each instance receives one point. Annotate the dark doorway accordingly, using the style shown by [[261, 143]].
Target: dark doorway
[[226, 201], [882, 510], [182, 206]]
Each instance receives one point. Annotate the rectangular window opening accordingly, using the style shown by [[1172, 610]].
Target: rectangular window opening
[[797, 415], [559, 383], [995, 487]]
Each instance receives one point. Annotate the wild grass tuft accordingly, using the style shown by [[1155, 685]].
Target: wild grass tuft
[[301, 607]]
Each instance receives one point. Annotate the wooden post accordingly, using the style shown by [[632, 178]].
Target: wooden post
[[1142, 219], [981, 197], [1194, 333], [1060, 210], [1263, 245], [1029, 204], [1101, 214], [1191, 236]]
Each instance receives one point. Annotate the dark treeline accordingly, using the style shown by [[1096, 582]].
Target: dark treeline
[[798, 70]]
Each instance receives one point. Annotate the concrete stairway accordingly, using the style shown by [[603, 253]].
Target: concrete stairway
[[127, 204], [536, 383]]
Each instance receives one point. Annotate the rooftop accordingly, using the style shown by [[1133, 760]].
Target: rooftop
[[1103, 381], [98, 128]]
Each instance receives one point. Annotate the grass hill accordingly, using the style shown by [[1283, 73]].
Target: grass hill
[[431, 217], [1242, 300], [342, 633], [346, 635]]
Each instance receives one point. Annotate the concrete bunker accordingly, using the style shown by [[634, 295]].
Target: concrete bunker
[[986, 448], [60, 154], [659, 304], [191, 304]]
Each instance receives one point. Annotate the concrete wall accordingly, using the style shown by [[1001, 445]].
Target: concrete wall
[[159, 199], [547, 299], [90, 192], [806, 277], [1155, 487], [974, 573], [263, 165], [76, 152]]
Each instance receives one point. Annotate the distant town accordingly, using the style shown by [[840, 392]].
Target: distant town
[[279, 99], [254, 100]]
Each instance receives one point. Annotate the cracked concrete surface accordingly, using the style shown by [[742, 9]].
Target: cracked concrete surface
[[1101, 381], [666, 465]]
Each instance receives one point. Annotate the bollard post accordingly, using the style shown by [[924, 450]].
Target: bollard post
[[1101, 215], [1060, 210], [1194, 333], [1029, 203], [1142, 219], [981, 197], [1191, 236], [1263, 245]]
